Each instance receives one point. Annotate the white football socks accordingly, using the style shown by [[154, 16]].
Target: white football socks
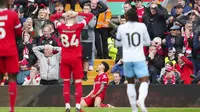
[[132, 96], [78, 106], [67, 105], [143, 91]]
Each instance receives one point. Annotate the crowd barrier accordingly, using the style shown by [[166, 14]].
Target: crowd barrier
[[159, 96]]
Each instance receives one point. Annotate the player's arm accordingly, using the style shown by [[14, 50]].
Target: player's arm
[[146, 39], [101, 89], [87, 19], [18, 26], [118, 37], [37, 50], [91, 92], [54, 18]]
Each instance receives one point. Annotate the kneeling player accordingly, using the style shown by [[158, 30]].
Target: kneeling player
[[96, 96]]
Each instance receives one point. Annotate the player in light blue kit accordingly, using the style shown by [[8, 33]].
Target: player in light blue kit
[[133, 36]]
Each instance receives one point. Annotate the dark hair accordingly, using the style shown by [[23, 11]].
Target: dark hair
[[128, 3], [105, 65], [132, 15], [122, 16], [138, 0], [37, 67], [117, 72], [170, 63]]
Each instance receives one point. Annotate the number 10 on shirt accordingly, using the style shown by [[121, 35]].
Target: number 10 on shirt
[[67, 43]]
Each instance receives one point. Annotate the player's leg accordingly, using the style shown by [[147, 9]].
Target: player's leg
[[142, 73], [65, 74], [12, 74], [77, 68], [97, 101], [1, 69], [131, 93]]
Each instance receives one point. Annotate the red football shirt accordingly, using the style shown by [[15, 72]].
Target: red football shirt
[[9, 26], [140, 13], [70, 35], [99, 79]]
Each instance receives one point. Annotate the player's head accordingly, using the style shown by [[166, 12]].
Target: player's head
[[48, 50], [103, 67], [71, 17], [131, 15], [86, 8]]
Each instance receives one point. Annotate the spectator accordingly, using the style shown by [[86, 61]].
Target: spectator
[[42, 19], [88, 37], [28, 25], [170, 76], [25, 49], [174, 39], [196, 53], [186, 7], [30, 8], [155, 21], [5, 80], [34, 77], [192, 16], [24, 71], [49, 63], [21, 15], [140, 9], [97, 6], [101, 34], [155, 63], [116, 79], [197, 5], [188, 39], [171, 57], [157, 41], [59, 8], [46, 38], [118, 67], [185, 67], [167, 64]]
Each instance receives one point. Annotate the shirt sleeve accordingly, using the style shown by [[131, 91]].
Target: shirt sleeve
[[104, 79], [146, 37], [17, 25], [118, 41]]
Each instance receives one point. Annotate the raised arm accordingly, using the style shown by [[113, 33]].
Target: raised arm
[[102, 6], [37, 52], [88, 17]]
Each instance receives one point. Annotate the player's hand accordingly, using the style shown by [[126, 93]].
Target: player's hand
[[92, 96]]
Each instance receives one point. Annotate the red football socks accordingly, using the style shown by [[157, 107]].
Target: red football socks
[[78, 92], [12, 93], [66, 91]]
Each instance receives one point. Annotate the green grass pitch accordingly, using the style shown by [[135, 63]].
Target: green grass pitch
[[55, 109]]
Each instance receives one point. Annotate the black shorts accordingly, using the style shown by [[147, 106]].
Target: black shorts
[[87, 50]]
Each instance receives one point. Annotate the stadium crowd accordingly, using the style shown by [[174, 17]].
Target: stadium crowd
[[173, 56]]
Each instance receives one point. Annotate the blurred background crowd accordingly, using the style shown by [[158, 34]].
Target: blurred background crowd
[[173, 56]]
